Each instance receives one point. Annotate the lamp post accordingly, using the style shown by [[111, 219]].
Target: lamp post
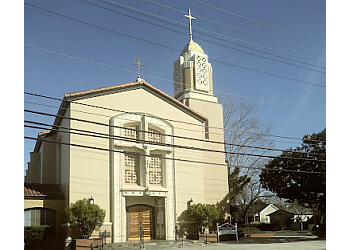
[[91, 200], [189, 203]]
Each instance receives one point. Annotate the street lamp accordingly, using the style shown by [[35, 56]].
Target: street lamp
[[189, 203], [91, 200]]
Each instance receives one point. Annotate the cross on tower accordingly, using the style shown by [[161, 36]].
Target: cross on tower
[[190, 18], [139, 64]]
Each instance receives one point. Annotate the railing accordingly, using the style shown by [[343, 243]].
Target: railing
[[104, 238], [142, 240], [179, 235]]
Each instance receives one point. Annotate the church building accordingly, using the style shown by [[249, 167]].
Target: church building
[[140, 154]]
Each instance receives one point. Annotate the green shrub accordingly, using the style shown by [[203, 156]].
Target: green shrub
[[267, 227], [36, 235], [250, 230], [197, 217], [84, 218]]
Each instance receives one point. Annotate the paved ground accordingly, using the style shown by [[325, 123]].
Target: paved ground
[[299, 245], [272, 243]]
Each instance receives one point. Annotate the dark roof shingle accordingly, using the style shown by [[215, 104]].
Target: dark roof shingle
[[50, 191]]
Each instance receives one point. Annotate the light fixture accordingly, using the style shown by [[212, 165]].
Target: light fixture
[[91, 200], [190, 202]]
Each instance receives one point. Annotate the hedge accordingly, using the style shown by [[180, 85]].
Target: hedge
[[36, 235]]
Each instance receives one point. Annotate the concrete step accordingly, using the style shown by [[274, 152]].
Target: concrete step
[[153, 245]]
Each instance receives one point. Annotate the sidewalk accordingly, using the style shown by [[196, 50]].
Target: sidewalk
[[300, 245], [271, 243]]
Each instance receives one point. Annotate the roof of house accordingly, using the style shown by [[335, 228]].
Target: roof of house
[[300, 210], [47, 191], [130, 85], [280, 211], [68, 97], [269, 205]]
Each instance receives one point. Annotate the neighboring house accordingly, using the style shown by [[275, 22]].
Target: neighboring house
[[140, 161], [281, 219], [262, 216], [304, 215], [253, 216], [43, 204]]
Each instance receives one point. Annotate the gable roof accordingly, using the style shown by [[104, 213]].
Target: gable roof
[[281, 211], [46, 191], [68, 97], [130, 86], [269, 205]]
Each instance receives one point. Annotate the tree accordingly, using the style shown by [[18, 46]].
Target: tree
[[84, 218], [196, 218], [245, 138], [203, 214], [308, 188]]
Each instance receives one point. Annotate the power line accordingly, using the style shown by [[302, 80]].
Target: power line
[[167, 135], [231, 38], [166, 158], [259, 100], [235, 28], [225, 143], [102, 64], [113, 67], [264, 57], [174, 49], [118, 68], [259, 22], [122, 138], [167, 119], [217, 38], [181, 128], [180, 137]]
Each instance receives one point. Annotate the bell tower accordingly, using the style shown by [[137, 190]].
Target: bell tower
[[193, 73], [193, 86]]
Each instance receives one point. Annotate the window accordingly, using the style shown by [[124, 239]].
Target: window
[[155, 170], [132, 169], [154, 136], [39, 216], [131, 132]]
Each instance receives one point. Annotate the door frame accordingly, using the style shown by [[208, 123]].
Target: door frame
[[152, 208]]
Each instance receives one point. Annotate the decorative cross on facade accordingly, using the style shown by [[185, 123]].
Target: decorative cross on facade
[[139, 64], [190, 18]]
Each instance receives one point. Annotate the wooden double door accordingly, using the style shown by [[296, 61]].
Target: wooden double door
[[137, 216]]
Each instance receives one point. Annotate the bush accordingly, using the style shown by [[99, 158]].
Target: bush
[[34, 236], [84, 218], [267, 227], [197, 217], [34, 233], [250, 230]]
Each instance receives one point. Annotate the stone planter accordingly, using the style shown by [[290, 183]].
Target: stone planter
[[84, 244], [211, 237]]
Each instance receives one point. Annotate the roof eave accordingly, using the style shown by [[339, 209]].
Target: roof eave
[[34, 196], [130, 86]]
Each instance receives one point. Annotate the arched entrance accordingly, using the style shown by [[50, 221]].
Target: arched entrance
[[140, 215]]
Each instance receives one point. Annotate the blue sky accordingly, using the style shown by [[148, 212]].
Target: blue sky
[[293, 108]]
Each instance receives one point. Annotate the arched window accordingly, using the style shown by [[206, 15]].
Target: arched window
[[132, 169], [39, 216], [131, 132], [155, 170], [154, 135]]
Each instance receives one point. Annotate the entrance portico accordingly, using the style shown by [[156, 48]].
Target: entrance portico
[[142, 178]]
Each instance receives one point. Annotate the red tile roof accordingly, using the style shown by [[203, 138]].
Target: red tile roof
[[131, 84], [49, 191], [120, 87]]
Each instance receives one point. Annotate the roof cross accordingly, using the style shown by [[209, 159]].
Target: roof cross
[[139, 64], [190, 18]]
